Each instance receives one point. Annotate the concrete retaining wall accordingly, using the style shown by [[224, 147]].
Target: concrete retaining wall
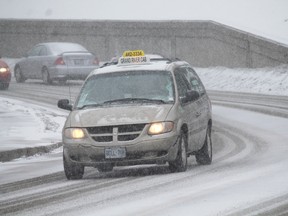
[[201, 43]]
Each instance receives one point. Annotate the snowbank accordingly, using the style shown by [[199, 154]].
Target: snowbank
[[272, 81]]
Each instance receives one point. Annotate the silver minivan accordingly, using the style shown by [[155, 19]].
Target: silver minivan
[[154, 112]]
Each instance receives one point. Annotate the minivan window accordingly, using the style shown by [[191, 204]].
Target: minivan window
[[183, 86], [194, 81], [127, 87]]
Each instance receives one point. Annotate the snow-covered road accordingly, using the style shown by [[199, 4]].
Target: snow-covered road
[[249, 172]]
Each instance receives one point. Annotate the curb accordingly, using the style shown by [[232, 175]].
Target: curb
[[6, 156]]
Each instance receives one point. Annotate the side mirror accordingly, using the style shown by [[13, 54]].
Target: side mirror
[[64, 104]]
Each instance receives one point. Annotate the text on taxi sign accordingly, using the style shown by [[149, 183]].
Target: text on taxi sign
[[133, 60], [133, 53]]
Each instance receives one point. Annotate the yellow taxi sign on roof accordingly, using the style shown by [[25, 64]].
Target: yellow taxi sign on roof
[[133, 57], [133, 53]]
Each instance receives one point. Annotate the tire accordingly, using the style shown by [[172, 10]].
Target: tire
[[105, 168], [72, 171], [46, 76], [180, 163], [204, 155], [18, 75], [4, 86], [62, 81]]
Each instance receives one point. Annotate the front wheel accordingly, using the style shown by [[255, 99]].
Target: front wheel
[[18, 75], [204, 155], [46, 76], [72, 170], [180, 163]]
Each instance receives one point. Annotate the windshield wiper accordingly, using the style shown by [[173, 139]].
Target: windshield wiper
[[124, 100], [89, 105], [132, 100]]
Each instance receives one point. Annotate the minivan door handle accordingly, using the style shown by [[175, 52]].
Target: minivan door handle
[[198, 114]]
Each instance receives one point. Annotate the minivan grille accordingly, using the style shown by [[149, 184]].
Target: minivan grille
[[116, 132]]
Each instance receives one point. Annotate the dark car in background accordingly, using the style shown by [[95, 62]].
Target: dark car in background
[[5, 75], [59, 61]]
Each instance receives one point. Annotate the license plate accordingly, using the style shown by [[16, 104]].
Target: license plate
[[78, 61], [115, 152]]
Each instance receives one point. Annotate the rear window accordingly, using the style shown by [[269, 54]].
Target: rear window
[[66, 47]]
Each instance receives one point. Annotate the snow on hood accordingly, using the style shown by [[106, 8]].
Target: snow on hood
[[117, 115]]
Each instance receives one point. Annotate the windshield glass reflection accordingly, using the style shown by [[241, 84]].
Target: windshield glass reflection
[[127, 87]]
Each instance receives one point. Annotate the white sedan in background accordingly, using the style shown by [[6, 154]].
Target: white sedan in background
[[56, 61]]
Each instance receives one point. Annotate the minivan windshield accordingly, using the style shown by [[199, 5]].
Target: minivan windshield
[[127, 87]]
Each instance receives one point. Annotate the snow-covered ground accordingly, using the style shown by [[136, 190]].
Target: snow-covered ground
[[267, 18], [25, 124], [270, 80]]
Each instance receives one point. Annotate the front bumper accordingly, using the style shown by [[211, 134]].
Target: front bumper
[[152, 151]]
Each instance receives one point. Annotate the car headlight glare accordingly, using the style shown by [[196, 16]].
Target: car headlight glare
[[160, 128], [3, 70], [74, 133]]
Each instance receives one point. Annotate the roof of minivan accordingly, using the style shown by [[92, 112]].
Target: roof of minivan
[[153, 65]]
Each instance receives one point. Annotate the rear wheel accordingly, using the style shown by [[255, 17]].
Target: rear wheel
[[180, 163], [62, 81], [46, 76], [18, 75], [204, 155], [72, 170]]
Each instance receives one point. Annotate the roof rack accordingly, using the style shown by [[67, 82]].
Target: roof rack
[[165, 59], [168, 60], [109, 63]]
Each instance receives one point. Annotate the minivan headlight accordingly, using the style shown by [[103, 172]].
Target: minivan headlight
[[74, 133], [160, 128]]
